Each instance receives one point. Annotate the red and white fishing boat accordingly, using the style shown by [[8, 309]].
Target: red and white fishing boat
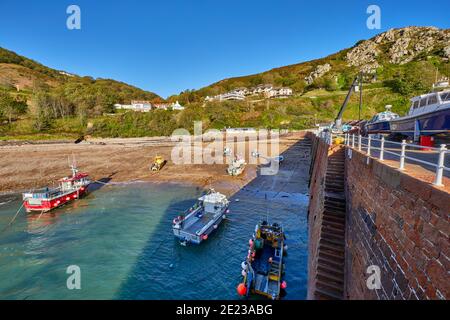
[[69, 189]]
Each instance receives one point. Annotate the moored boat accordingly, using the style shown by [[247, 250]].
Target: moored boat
[[263, 269], [380, 123], [69, 189], [429, 115], [196, 224]]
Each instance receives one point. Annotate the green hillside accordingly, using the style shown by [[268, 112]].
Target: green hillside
[[39, 102], [399, 64]]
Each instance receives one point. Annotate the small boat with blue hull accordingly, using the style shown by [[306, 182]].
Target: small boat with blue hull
[[196, 224], [380, 123], [263, 269], [429, 115]]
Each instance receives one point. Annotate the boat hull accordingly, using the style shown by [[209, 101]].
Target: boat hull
[[46, 205], [378, 127], [423, 125]]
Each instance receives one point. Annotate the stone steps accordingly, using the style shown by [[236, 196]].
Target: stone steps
[[331, 249]]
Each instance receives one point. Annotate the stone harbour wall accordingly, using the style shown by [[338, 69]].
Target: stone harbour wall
[[399, 224]]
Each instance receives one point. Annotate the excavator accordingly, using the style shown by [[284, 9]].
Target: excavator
[[158, 163]]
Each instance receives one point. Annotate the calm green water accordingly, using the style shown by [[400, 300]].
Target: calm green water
[[121, 238]]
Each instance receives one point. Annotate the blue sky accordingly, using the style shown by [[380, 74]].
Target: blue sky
[[172, 45]]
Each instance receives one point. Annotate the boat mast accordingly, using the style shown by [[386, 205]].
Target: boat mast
[[73, 166]]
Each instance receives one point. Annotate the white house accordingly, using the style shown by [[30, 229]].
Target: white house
[[279, 93], [231, 96], [177, 106], [262, 88], [143, 106]]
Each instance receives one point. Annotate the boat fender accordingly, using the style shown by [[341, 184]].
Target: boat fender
[[244, 264], [244, 273], [242, 289], [284, 285]]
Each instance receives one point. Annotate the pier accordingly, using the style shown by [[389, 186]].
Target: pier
[[368, 212]]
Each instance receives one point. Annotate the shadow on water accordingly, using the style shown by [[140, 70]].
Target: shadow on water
[[166, 270]]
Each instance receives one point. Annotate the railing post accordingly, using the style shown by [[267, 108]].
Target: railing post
[[440, 166], [353, 141], [359, 142], [369, 145], [382, 149], [402, 155]]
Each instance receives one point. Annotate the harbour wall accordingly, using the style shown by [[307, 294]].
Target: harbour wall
[[394, 223], [319, 156]]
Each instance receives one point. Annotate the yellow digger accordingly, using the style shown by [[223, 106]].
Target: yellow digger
[[158, 163]]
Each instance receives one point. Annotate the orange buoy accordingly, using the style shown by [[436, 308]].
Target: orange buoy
[[242, 289]]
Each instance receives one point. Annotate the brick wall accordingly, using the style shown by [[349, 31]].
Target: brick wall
[[400, 224]]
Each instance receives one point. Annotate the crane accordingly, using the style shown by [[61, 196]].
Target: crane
[[356, 85]]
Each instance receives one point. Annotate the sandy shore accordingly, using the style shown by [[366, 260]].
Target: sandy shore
[[29, 166]]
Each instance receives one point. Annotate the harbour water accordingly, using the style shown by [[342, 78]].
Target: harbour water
[[120, 236]]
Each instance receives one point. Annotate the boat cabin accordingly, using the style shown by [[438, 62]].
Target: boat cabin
[[430, 102]]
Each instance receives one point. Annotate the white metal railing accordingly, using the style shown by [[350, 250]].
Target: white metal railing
[[370, 144]]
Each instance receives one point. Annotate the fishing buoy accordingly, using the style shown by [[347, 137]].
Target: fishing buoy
[[250, 242], [242, 289], [205, 237], [244, 264], [253, 254], [284, 285], [228, 211], [270, 260], [244, 273], [285, 247], [215, 226]]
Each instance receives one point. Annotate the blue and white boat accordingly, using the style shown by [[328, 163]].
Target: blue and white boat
[[380, 123], [429, 115]]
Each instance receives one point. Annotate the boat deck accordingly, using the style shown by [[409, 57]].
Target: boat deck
[[200, 223]]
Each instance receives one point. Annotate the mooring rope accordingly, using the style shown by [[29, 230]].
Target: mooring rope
[[101, 182], [40, 215], [14, 218]]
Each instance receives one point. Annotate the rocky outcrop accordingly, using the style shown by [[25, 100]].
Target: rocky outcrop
[[447, 52], [399, 46], [364, 56], [317, 73]]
